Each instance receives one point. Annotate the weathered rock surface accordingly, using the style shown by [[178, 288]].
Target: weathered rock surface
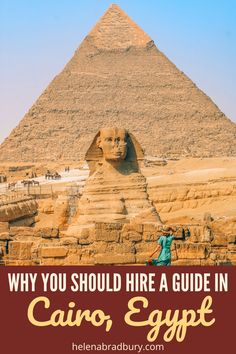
[[17, 209], [116, 190], [118, 77]]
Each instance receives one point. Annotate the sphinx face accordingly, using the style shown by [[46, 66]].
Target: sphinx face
[[113, 143]]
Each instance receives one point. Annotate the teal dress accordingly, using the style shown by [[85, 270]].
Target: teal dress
[[164, 257]]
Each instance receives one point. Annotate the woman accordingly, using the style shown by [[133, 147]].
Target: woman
[[164, 243]]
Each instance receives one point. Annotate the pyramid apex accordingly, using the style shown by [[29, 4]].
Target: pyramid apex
[[115, 7], [116, 30]]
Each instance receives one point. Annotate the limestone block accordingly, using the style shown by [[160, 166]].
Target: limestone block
[[4, 236], [222, 257], [23, 232], [108, 226], [23, 222], [220, 240], [192, 251], [4, 227], [145, 247], [73, 259], [220, 251], [11, 262], [48, 232], [107, 232], [69, 241], [122, 248], [13, 211], [133, 227], [84, 237], [75, 249], [106, 258], [20, 250], [49, 252], [87, 259], [131, 236], [100, 247], [83, 241], [53, 261], [84, 233], [151, 227]]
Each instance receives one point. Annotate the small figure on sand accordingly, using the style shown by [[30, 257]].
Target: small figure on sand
[[164, 245]]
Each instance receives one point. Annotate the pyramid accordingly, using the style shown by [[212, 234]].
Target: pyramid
[[118, 77]]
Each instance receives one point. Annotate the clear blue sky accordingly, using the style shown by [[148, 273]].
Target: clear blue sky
[[38, 37]]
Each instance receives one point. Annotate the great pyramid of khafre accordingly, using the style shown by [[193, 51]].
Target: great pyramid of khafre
[[118, 77]]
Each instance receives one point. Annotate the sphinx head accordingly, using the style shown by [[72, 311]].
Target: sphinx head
[[113, 143], [116, 147]]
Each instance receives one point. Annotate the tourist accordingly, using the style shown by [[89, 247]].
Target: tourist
[[164, 245]]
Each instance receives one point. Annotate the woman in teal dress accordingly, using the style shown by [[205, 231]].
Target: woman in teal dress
[[164, 243]]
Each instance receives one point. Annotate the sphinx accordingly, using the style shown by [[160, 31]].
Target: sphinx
[[116, 190]]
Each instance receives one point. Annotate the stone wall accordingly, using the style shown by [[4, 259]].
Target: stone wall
[[115, 243]]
